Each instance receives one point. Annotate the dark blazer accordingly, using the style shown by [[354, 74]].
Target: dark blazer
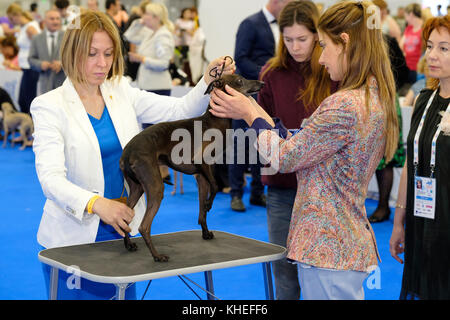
[[48, 79], [255, 45]]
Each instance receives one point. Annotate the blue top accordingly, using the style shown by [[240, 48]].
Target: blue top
[[259, 124], [111, 151]]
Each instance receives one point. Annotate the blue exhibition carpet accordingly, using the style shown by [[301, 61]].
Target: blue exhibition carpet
[[21, 272]]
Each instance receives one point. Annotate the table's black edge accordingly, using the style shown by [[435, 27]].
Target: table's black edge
[[169, 273]]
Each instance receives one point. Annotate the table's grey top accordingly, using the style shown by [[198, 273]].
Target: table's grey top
[[110, 262]]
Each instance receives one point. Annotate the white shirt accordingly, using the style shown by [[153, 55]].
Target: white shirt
[[273, 26], [24, 44]]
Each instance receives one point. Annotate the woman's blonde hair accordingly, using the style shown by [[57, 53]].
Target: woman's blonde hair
[[160, 10], [77, 42], [367, 56], [318, 84], [15, 9]]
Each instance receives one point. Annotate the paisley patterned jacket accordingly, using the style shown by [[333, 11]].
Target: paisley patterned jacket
[[334, 157]]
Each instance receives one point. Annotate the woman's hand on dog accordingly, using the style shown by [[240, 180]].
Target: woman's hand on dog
[[233, 104], [114, 213], [230, 68]]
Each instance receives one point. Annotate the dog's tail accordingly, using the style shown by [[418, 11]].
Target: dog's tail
[[126, 168]]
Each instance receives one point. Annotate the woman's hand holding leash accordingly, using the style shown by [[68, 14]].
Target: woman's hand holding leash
[[225, 62]]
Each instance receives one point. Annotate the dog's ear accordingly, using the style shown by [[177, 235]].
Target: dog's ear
[[218, 83]]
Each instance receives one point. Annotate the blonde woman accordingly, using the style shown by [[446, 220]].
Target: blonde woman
[[334, 155], [80, 130], [154, 50], [28, 29]]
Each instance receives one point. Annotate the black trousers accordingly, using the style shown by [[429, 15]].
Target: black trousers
[[28, 89]]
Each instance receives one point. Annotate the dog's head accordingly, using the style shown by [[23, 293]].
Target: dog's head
[[7, 108], [237, 82]]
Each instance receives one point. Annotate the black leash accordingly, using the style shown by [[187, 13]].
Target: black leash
[[215, 73]]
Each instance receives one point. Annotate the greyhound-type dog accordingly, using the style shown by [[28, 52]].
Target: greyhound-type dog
[[13, 120], [144, 153]]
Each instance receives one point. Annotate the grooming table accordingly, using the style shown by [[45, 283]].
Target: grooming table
[[110, 262]]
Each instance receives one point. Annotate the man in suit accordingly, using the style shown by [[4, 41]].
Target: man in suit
[[44, 53], [256, 40]]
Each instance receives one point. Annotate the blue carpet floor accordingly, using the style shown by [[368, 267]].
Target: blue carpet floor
[[21, 273]]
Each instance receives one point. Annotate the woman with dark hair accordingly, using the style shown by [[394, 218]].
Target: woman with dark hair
[[411, 42], [10, 52]]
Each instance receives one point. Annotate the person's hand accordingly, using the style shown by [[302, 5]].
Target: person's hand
[[134, 57], [233, 104], [114, 213], [6, 63], [45, 65], [397, 242], [56, 66], [230, 68]]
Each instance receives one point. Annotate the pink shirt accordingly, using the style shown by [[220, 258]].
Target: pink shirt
[[412, 47]]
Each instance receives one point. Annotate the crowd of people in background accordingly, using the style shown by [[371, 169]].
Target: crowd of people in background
[[180, 59], [161, 54], [18, 27]]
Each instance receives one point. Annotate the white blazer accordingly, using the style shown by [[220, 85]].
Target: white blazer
[[158, 49], [67, 153]]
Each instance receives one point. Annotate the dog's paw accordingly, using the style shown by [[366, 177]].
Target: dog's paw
[[132, 247], [161, 258], [207, 235]]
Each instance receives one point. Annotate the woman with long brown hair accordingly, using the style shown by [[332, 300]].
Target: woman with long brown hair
[[334, 155], [295, 85]]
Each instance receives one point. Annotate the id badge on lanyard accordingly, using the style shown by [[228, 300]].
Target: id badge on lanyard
[[424, 197], [425, 187]]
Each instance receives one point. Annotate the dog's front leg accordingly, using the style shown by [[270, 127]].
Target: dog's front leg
[[203, 190]]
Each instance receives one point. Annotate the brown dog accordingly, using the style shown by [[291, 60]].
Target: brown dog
[[13, 120], [152, 147]]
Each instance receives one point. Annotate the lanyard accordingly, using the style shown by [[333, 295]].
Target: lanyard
[[433, 142]]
